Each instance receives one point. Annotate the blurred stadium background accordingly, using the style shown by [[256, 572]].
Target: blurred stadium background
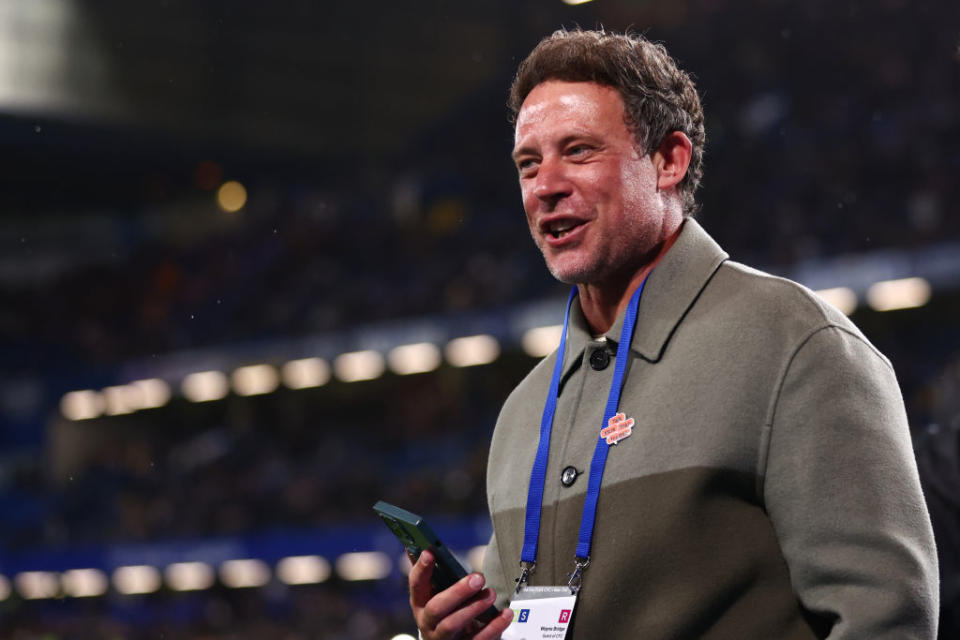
[[262, 264]]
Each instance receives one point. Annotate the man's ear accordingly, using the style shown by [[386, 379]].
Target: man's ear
[[671, 159]]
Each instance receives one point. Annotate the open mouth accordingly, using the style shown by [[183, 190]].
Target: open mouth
[[560, 228]]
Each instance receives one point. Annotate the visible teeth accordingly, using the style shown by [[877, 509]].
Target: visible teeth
[[560, 229]]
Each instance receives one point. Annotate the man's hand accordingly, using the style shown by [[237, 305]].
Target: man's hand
[[450, 613]]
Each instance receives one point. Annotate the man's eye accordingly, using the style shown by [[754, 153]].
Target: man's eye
[[577, 150], [525, 164]]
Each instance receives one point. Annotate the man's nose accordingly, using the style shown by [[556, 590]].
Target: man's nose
[[552, 182]]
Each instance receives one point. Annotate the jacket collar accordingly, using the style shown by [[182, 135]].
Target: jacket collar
[[671, 289]]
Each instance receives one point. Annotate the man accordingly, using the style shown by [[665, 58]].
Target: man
[[755, 473]]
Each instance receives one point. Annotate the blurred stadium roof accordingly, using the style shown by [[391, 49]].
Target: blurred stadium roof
[[94, 94]]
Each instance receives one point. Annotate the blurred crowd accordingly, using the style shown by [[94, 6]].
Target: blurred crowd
[[801, 162], [330, 612], [290, 462], [295, 459]]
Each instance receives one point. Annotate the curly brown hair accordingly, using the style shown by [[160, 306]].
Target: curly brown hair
[[658, 97]]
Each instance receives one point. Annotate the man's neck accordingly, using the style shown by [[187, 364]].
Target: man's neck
[[602, 303]]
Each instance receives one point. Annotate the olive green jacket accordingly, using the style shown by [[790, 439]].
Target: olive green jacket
[[768, 489]]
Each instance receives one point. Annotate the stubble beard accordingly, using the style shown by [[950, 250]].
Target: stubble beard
[[610, 261], [572, 274], [576, 270]]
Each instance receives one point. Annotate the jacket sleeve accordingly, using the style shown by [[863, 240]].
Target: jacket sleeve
[[494, 574], [842, 489]]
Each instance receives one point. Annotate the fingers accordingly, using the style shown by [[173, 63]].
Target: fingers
[[419, 579], [446, 614], [443, 604], [496, 626], [463, 614]]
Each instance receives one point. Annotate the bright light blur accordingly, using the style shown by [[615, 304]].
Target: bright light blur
[[189, 576], [136, 579], [472, 351], [403, 636], [4, 588], [122, 399], [475, 557], [239, 574], [255, 380], [140, 394], [82, 405], [542, 341], [404, 564], [232, 196], [414, 358], [305, 373], [84, 583], [155, 392], [367, 565], [358, 365], [574, 3], [842, 298], [34, 585], [303, 570], [907, 293], [205, 386]]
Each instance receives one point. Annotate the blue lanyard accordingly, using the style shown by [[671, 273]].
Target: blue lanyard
[[538, 475]]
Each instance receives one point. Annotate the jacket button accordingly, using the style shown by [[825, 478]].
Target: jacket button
[[569, 476], [599, 359]]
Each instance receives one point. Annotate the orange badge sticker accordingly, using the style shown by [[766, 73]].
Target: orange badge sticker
[[618, 428]]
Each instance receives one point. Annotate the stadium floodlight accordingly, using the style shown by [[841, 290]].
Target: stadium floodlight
[[842, 298], [363, 565], [472, 350], [122, 399], [36, 585], [137, 579], [82, 405], [414, 358], [906, 293], [5, 589], [303, 570], [306, 373], [359, 365], [231, 196], [541, 341], [84, 583], [205, 386], [255, 379], [189, 576], [154, 392], [475, 557], [239, 574]]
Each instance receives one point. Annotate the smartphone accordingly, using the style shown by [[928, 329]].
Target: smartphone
[[416, 536]]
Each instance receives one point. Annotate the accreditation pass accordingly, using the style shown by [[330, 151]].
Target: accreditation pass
[[541, 613]]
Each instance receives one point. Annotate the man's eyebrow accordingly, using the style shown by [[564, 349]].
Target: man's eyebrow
[[585, 136], [579, 135], [522, 151]]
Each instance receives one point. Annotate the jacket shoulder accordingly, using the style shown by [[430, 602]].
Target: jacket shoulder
[[776, 301]]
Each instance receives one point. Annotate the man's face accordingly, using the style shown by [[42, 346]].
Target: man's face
[[590, 196]]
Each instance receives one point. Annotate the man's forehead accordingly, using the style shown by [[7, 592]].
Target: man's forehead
[[564, 96], [582, 103]]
